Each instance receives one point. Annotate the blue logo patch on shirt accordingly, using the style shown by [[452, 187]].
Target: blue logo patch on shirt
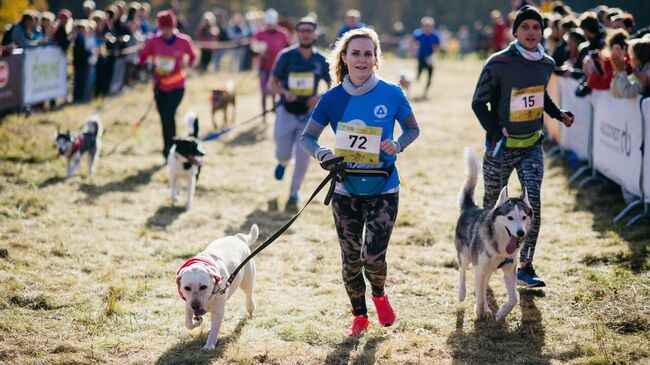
[[381, 111]]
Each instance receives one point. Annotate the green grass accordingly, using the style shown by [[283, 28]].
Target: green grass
[[87, 266]]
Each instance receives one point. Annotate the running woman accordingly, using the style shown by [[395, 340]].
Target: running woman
[[167, 49], [295, 77], [428, 42], [362, 110], [514, 82], [268, 43]]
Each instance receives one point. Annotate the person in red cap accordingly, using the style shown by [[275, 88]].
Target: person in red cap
[[167, 50], [63, 28]]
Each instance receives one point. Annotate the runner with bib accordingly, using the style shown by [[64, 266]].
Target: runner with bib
[[513, 82], [167, 50], [295, 77], [362, 110]]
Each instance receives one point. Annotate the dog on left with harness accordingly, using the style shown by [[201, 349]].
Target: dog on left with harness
[[184, 161], [75, 145]]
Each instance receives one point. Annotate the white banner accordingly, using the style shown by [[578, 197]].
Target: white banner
[[576, 138], [618, 135], [645, 108], [45, 74]]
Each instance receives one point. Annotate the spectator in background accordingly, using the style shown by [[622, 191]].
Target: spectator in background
[[600, 80], [352, 21], [207, 34], [480, 39], [144, 13], [63, 29], [561, 52], [464, 40], [84, 57], [267, 44], [595, 35], [427, 42], [498, 41], [182, 24], [572, 66], [222, 37], [47, 26], [89, 6], [22, 33], [638, 82], [624, 21], [239, 31]]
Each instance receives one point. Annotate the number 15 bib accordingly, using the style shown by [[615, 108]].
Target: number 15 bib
[[526, 104], [358, 144]]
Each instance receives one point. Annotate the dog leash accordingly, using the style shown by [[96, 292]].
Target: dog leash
[[335, 174], [137, 124], [215, 135]]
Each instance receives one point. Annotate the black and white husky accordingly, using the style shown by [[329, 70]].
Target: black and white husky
[[489, 239], [184, 161], [74, 145]]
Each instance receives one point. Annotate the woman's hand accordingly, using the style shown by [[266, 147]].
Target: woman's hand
[[618, 58], [389, 147], [330, 162]]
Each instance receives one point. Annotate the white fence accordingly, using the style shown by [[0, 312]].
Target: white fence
[[610, 134], [45, 74]]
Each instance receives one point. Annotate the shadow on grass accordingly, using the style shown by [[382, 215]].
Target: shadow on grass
[[268, 221], [130, 183], [491, 342], [341, 353], [51, 181], [603, 199], [191, 352], [164, 216], [250, 136]]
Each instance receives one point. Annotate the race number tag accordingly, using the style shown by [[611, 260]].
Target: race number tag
[[301, 83], [526, 104], [165, 65], [358, 144]]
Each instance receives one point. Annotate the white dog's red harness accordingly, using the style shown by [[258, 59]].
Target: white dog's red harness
[[193, 261]]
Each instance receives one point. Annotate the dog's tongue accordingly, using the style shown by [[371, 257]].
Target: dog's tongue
[[512, 245], [199, 312]]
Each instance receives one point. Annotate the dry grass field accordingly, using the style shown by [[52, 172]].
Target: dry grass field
[[87, 266]]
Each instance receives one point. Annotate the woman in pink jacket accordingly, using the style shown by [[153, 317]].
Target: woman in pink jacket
[[167, 50]]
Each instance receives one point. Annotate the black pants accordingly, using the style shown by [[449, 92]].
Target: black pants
[[81, 82], [167, 102], [206, 57], [424, 65]]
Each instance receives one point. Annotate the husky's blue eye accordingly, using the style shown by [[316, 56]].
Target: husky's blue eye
[[510, 218]]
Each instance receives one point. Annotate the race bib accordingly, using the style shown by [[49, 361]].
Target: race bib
[[165, 65], [358, 144], [301, 83], [526, 104]]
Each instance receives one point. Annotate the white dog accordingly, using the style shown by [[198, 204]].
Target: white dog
[[489, 239], [184, 161], [199, 279], [73, 146]]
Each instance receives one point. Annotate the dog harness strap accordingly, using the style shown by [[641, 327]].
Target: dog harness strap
[[192, 261], [77, 145], [508, 260], [330, 177]]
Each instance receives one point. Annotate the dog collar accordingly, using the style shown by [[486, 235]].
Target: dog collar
[[190, 262], [508, 260]]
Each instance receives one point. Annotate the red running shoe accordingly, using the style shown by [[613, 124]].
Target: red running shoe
[[359, 324], [385, 312]]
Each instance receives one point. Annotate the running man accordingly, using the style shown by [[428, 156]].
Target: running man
[[427, 42], [295, 77], [514, 82]]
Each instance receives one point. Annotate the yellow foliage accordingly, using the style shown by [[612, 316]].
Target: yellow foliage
[[11, 10]]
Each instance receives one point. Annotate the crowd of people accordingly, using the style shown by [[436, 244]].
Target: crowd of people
[[604, 48]]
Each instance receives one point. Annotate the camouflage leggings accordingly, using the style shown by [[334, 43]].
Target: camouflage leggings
[[369, 253], [529, 163]]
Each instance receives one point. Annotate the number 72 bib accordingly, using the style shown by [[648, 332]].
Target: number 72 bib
[[358, 144], [526, 104]]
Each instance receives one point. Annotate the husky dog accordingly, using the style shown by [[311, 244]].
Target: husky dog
[[405, 81], [199, 281], [489, 239], [184, 161], [74, 145]]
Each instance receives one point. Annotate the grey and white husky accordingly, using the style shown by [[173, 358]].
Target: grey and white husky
[[75, 145], [184, 161], [489, 239]]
